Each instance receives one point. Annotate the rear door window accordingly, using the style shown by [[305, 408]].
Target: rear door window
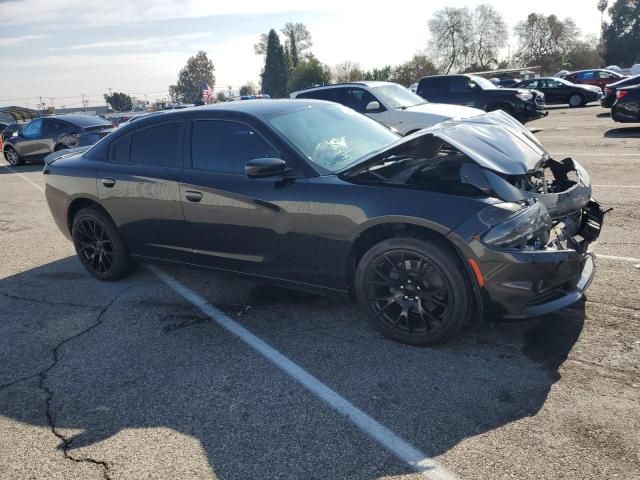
[[157, 145], [33, 129], [55, 128], [225, 146]]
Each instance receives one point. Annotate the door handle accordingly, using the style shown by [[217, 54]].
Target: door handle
[[108, 182], [193, 196]]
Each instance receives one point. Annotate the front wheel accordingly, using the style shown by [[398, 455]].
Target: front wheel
[[11, 154], [412, 290], [576, 100], [99, 245]]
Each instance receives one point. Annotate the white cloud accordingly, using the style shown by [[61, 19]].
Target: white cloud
[[156, 42], [9, 41]]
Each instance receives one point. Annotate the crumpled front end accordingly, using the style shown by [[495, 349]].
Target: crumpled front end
[[535, 250]]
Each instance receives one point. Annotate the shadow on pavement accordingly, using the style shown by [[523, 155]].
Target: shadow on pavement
[[628, 132], [149, 360], [26, 168]]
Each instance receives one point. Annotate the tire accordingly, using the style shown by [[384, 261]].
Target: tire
[[413, 291], [11, 155], [99, 245], [576, 100]]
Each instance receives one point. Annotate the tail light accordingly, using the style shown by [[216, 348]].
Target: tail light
[[621, 93]]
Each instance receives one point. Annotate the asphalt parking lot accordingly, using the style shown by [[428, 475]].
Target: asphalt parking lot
[[143, 378]]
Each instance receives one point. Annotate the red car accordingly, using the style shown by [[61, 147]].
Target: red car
[[598, 77]]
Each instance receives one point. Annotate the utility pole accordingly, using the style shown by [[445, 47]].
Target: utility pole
[[84, 103], [52, 105], [41, 104]]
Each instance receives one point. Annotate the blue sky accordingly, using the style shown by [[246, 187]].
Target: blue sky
[[63, 48]]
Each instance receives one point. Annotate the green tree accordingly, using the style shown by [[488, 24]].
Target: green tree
[[275, 74], [221, 96], [545, 40], [308, 73], [248, 89], [293, 50], [621, 36], [296, 34], [198, 70], [584, 54], [381, 74], [120, 102], [409, 72]]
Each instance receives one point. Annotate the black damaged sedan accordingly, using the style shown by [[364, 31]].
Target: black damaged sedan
[[466, 216]]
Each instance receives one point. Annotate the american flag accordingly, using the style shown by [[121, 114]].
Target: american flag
[[207, 93]]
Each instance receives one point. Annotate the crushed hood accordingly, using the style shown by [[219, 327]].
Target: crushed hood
[[494, 140]]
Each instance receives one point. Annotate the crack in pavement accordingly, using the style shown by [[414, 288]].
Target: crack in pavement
[[42, 384], [15, 382], [48, 302]]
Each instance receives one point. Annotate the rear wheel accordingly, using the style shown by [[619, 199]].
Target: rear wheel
[[576, 100], [412, 290], [11, 155], [99, 245]]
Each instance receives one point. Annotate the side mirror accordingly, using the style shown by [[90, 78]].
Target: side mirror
[[265, 167], [373, 106]]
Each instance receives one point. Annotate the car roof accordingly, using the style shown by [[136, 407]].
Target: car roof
[[261, 109], [257, 108], [80, 120], [365, 83], [594, 70]]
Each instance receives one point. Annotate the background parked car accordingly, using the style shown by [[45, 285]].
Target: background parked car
[[627, 106], [478, 92], [610, 90], [560, 91], [42, 136], [598, 77], [388, 103]]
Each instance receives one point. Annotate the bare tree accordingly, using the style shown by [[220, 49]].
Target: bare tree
[[347, 71], [297, 34], [296, 37], [489, 36], [545, 40], [451, 37], [260, 48]]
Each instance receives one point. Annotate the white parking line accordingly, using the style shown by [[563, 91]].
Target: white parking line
[[417, 460], [615, 257], [615, 186], [24, 177], [604, 154]]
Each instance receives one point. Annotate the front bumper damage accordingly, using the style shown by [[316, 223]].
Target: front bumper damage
[[520, 284], [523, 284], [531, 281]]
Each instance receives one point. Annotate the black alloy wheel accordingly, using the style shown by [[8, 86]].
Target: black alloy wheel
[[412, 290], [12, 156], [99, 245]]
